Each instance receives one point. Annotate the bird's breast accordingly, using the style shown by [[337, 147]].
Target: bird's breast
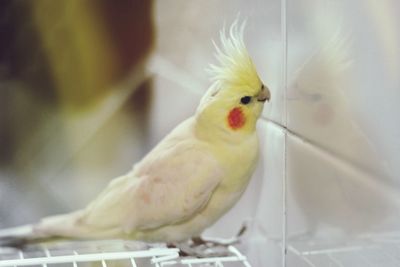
[[239, 162]]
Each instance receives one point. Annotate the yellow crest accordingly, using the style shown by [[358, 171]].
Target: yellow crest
[[236, 69]]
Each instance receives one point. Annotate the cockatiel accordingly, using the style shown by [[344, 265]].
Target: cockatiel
[[191, 178]]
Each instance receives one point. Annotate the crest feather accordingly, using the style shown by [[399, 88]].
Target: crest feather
[[235, 67]]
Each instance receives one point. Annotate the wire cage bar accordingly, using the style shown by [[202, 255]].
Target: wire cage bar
[[156, 256]]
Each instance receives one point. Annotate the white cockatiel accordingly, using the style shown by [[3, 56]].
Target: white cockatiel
[[191, 178]]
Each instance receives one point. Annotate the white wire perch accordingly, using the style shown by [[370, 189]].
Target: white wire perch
[[157, 254], [159, 257]]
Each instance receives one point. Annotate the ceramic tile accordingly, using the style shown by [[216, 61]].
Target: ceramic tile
[[331, 204], [342, 166], [267, 240], [171, 104], [336, 64]]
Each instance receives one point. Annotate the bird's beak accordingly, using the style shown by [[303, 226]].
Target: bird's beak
[[264, 94]]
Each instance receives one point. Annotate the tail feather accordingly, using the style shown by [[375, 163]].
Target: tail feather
[[19, 237], [56, 228], [64, 226], [16, 231], [21, 242]]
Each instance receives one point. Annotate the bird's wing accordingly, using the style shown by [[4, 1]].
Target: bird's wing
[[168, 186]]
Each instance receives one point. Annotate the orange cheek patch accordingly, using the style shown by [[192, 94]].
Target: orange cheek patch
[[236, 118]]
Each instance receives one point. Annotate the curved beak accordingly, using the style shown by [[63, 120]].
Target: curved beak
[[264, 94]]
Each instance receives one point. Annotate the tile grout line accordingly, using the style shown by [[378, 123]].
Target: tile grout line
[[320, 148], [355, 170], [284, 83]]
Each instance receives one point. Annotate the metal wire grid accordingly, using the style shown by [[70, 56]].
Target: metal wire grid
[[372, 252], [157, 257]]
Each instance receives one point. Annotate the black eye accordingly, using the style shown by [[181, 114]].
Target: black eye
[[245, 100]]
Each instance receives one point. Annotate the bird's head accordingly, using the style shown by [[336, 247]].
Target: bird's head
[[236, 97]]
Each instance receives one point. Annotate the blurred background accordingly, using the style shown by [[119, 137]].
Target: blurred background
[[87, 88]]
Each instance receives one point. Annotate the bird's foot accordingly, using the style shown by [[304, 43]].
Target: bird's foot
[[188, 249], [207, 247], [214, 242]]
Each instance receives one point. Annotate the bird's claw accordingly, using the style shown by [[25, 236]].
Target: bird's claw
[[200, 247], [188, 249]]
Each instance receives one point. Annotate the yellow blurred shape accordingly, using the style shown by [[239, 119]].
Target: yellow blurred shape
[[78, 51]]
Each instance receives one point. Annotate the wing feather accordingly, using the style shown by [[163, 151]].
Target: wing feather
[[167, 187]]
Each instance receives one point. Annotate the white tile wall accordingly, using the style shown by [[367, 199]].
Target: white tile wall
[[343, 185], [265, 244]]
